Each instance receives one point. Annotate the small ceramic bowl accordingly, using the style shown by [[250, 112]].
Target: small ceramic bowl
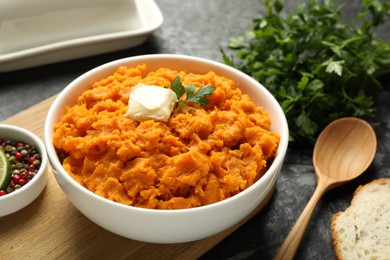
[[167, 226], [20, 198]]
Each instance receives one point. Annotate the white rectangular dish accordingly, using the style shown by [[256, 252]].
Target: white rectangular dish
[[34, 33]]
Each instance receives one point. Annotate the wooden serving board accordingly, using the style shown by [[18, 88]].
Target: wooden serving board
[[52, 228]]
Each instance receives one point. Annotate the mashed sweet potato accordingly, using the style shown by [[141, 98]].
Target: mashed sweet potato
[[200, 156]]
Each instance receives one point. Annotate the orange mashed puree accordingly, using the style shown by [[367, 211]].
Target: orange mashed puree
[[200, 156]]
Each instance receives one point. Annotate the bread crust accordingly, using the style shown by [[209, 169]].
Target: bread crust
[[359, 190], [336, 244]]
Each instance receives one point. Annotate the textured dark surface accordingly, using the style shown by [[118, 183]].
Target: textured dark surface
[[200, 28]]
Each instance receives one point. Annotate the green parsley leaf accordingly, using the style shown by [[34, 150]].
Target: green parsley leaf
[[177, 87], [335, 66], [192, 96], [199, 96]]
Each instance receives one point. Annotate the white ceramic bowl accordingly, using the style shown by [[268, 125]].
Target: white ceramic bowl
[[20, 198], [167, 226]]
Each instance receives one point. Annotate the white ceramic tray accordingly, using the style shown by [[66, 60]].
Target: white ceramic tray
[[56, 30]]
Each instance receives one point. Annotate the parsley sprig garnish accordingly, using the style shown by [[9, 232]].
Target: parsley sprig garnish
[[317, 66], [192, 96]]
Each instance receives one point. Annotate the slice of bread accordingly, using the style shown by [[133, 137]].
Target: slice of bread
[[362, 231]]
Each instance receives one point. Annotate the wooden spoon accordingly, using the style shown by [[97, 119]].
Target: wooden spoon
[[343, 151]]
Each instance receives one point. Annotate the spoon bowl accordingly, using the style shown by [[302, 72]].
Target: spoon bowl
[[343, 151]]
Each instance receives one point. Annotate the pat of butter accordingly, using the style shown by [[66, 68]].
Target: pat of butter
[[150, 102]]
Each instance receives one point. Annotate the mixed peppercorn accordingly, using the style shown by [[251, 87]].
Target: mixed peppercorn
[[25, 161]]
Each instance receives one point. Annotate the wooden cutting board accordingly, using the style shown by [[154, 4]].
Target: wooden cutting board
[[52, 228]]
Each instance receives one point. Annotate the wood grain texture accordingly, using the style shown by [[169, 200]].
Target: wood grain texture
[[52, 228]]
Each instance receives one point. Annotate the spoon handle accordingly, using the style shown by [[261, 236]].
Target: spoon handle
[[292, 241]]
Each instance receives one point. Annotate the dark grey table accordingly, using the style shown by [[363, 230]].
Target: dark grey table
[[200, 28]]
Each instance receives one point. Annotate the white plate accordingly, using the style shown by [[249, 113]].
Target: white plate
[[59, 30]]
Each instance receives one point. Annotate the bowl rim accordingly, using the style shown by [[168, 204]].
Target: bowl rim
[[39, 144], [109, 66]]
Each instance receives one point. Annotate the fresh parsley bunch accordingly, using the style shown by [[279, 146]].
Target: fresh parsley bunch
[[316, 66]]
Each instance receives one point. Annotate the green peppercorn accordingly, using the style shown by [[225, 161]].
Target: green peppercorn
[[12, 159], [19, 165], [8, 148], [37, 163]]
